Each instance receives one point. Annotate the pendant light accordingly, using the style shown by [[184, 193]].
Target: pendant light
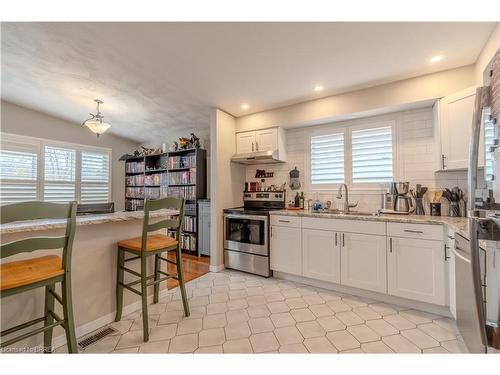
[[95, 123]]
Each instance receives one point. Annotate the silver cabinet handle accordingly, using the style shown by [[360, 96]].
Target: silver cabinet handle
[[446, 257], [252, 147], [390, 244], [284, 221], [343, 240], [256, 146], [451, 237], [413, 231], [442, 161], [335, 239]]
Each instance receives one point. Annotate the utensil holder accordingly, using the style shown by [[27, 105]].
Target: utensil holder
[[435, 209], [454, 209], [419, 206]]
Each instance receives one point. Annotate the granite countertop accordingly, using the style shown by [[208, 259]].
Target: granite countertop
[[119, 216], [459, 224]]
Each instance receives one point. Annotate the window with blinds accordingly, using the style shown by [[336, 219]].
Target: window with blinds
[[372, 155], [18, 176], [327, 159], [94, 177], [60, 174]]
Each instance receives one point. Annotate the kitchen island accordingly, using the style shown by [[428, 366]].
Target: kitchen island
[[93, 270]]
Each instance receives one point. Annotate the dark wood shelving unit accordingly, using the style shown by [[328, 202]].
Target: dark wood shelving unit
[[182, 173]]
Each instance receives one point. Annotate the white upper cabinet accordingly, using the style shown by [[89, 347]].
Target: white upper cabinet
[[363, 261], [266, 140], [245, 142], [454, 124], [270, 139]]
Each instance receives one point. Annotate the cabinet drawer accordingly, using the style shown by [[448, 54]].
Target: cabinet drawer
[[286, 221], [345, 225], [423, 231]]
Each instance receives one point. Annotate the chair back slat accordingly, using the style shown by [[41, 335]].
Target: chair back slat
[[34, 211], [27, 245], [169, 223], [161, 204], [41, 210], [164, 203]]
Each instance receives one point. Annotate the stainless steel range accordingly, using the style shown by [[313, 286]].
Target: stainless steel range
[[246, 232]]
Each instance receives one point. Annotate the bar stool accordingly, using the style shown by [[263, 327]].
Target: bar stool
[[151, 245], [20, 276]]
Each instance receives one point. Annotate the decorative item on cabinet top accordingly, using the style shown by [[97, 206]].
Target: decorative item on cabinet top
[[294, 179]]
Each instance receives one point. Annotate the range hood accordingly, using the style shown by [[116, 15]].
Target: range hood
[[259, 157]]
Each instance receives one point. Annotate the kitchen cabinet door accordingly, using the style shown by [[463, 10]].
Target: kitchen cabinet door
[[286, 250], [416, 270], [245, 142], [321, 255], [266, 140], [363, 261], [455, 122]]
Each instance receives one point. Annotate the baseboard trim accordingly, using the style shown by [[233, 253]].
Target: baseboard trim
[[218, 268], [93, 325], [423, 306]]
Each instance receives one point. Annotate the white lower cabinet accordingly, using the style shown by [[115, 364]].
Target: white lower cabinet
[[363, 261], [416, 269], [321, 255], [286, 249]]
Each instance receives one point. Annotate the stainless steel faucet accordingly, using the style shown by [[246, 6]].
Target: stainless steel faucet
[[345, 203]]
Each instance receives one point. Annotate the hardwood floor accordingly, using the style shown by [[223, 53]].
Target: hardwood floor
[[193, 267]]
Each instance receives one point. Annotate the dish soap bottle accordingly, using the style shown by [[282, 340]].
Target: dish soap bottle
[[297, 200], [301, 201]]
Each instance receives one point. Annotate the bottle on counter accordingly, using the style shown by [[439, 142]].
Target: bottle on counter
[[297, 200], [301, 201]]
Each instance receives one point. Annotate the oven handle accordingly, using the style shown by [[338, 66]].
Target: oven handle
[[251, 217]]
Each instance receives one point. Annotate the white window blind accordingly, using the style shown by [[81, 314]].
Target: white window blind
[[372, 155], [95, 177], [60, 174], [327, 159], [18, 176]]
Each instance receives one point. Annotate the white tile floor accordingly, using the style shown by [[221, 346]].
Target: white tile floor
[[233, 312]]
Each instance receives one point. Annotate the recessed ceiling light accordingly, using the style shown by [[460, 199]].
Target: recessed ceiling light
[[436, 58], [318, 88], [245, 106]]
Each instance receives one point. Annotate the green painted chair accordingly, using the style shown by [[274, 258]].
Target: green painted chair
[[151, 245], [45, 271]]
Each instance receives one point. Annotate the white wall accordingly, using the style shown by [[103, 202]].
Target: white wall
[[340, 107], [416, 158], [489, 49], [226, 180], [24, 121]]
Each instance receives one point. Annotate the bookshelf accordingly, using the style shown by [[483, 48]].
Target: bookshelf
[[180, 174]]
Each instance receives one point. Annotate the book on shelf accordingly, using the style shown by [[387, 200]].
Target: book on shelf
[[134, 166], [181, 161]]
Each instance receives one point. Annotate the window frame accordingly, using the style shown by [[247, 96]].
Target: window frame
[[41, 143], [347, 129]]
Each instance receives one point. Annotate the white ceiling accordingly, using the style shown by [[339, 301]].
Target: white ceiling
[[159, 80]]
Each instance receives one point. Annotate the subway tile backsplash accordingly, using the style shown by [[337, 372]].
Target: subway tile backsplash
[[417, 155]]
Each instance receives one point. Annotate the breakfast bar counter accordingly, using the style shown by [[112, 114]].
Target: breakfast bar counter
[[93, 270]]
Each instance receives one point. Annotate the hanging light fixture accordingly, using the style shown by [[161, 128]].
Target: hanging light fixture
[[95, 123]]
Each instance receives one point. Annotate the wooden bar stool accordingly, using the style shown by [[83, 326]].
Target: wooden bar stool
[[146, 246], [20, 276]]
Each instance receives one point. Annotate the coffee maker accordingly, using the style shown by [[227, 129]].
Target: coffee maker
[[397, 200]]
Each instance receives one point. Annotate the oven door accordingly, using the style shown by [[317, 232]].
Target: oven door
[[246, 233]]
